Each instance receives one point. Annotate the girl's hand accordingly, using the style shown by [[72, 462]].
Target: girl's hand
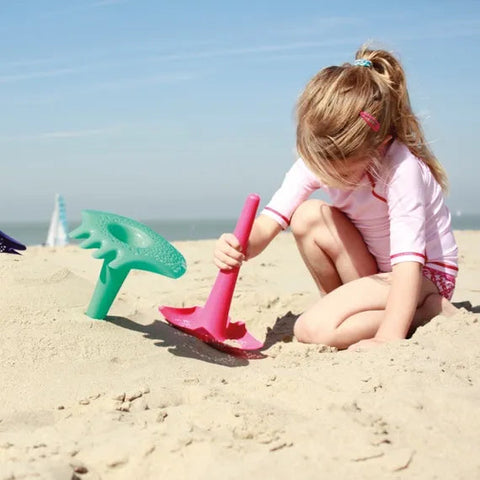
[[367, 344], [228, 254]]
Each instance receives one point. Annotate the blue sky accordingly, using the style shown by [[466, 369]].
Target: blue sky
[[162, 109]]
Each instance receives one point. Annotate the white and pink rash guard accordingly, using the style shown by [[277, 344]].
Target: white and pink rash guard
[[401, 214]]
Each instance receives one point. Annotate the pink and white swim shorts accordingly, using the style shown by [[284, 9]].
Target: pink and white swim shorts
[[443, 281]]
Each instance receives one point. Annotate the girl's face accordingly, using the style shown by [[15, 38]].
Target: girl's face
[[356, 168], [354, 171], [346, 175]]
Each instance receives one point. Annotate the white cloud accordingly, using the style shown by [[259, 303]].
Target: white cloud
[[192, 55], [105, 3], [85, 7], [40, 74], [64, 134]]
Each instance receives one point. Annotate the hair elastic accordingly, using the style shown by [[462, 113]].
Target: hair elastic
[[362, 62], [370, 120]]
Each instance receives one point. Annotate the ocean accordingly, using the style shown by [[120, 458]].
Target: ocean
[[35, 233]]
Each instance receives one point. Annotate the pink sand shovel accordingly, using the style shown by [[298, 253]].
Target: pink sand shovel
[[211, 323]]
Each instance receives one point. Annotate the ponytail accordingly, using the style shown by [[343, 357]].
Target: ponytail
[[397, 114]]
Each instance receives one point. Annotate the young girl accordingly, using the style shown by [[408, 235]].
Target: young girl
[[383, 253]]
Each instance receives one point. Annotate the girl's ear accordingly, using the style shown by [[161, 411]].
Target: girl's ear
[[384, 144], [387, 139]]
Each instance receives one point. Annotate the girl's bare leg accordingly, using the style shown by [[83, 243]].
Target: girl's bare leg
[[331, 247], [342, 267], [351, 312]]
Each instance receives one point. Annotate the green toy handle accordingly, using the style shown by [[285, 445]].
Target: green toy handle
[[108, 285]]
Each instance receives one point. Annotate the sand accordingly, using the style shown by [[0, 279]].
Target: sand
[[132, 398]]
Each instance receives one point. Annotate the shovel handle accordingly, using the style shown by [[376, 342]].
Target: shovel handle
[[245, 221]]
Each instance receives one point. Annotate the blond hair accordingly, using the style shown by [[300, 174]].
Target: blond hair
[[331, 134]]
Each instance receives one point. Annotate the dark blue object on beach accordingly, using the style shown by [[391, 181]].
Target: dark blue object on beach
[[10, 245]]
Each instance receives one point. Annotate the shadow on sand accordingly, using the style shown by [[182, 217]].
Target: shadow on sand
[[185, 345], [179, 343], [467, 306]]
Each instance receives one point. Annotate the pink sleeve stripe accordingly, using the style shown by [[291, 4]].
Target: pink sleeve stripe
[[408, 253], [285, 219], [445, 265]]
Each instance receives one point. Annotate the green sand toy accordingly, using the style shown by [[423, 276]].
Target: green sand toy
[[123, 244]]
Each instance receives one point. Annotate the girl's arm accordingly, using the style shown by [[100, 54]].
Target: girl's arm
[[406, 199], [401, 305], [264, 230], [402, 301], [228, 254], [296, 187]]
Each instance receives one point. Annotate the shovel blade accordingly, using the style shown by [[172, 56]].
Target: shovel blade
[[195, 321]]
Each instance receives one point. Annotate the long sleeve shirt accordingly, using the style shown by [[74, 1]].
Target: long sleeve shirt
[[400, 213]]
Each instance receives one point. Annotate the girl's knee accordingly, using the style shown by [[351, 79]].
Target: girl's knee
[[306, 331], [301, 331], [308, 215]]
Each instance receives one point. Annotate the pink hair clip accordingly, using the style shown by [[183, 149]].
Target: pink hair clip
[[371, 121]]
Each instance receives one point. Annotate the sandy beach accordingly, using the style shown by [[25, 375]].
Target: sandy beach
[[133, 398]]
